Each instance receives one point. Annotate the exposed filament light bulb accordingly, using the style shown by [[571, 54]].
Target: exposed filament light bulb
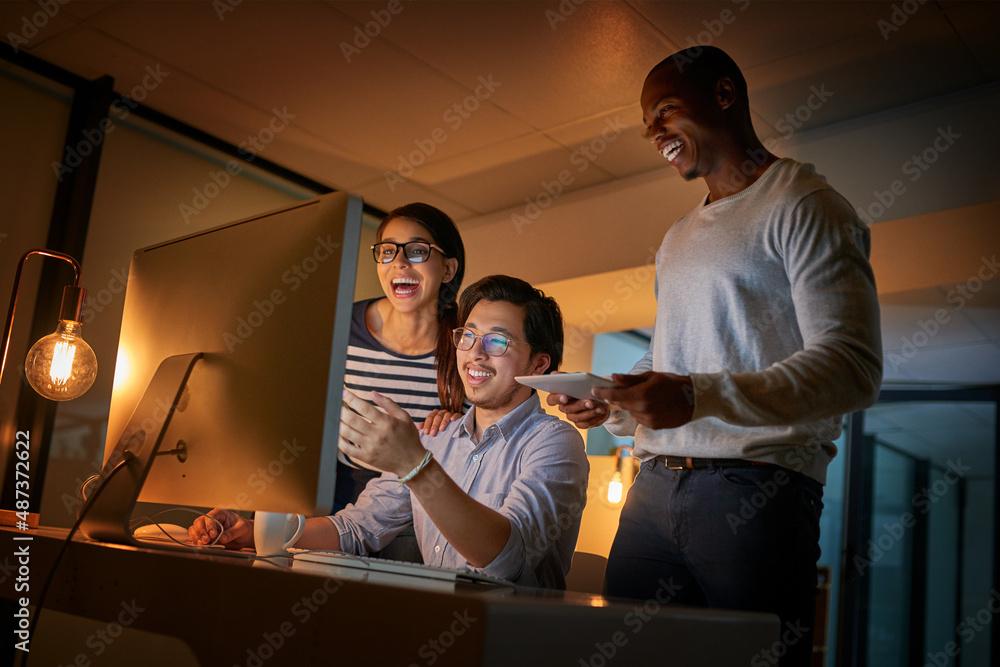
[[615, 488], [62, 366]]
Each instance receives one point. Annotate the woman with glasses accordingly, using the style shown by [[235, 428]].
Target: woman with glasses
[[401, 343]]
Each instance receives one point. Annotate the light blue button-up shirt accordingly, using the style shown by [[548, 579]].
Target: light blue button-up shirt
[[530, 466]]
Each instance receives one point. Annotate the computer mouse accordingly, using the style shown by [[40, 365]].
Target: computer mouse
[[161, 531]]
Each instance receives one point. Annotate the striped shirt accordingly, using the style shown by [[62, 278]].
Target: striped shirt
[[410, 381]]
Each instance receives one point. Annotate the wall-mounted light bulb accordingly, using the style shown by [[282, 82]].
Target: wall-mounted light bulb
[[61, 366], [615, 488]]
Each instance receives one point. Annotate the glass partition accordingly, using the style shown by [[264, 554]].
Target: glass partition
[[931, 595]]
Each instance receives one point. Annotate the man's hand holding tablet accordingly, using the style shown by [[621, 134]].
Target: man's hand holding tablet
[[572, 393], [655, 400]]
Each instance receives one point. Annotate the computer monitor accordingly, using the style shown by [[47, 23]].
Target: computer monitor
[[231, 361]]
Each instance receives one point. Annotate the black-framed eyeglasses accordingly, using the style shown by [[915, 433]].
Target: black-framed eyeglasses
[[494, 344], [414, 251]]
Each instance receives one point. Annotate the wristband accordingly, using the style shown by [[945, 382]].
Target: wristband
[[416, 471]]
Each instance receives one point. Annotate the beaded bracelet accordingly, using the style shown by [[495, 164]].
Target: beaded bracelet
[[416, 471]]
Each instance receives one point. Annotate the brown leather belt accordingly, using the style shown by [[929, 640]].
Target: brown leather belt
[[693, 463]]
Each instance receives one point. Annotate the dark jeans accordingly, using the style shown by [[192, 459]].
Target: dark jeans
[[732, 538]]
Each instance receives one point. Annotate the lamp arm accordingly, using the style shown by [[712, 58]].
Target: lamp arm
[[13, 297]]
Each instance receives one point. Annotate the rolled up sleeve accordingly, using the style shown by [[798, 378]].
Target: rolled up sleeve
[[382, 510]]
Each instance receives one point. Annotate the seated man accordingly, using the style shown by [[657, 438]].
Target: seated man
[[499, 492]]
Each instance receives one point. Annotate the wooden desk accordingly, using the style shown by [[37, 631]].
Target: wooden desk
[[233, 612]]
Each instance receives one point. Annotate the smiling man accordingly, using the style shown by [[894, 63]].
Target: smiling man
[[766, 333], [500, 491]]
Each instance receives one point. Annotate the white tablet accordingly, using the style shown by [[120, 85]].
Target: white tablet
[[575, 385]]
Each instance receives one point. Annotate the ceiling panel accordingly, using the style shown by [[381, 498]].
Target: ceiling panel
[[865, 74], [552, 70], [978, 24], [792, 27], [538, 178], [25, 25], [562, 79], [256, 51]]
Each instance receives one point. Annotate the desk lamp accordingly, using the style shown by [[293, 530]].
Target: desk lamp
[[60, 366]]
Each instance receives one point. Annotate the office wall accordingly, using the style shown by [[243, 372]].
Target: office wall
[[153, 185], [617, 227], [33, 120]]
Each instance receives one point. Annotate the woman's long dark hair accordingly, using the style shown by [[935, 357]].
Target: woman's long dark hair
[[451, 391]]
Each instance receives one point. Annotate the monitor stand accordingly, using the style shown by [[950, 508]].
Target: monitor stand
[[106, 514]]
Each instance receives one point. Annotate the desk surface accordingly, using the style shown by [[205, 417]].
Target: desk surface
[[307, 618]]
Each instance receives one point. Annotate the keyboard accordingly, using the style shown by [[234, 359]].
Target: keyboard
[[393, 572]]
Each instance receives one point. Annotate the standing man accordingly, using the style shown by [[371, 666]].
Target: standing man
[[500, 492], [766, 333]]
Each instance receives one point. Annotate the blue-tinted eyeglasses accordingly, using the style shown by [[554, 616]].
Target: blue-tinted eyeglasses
[[494, 344]]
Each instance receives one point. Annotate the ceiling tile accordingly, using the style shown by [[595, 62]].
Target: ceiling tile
[[174, 92], [528, 182], [863, 74], [348, 100], [978, 24], [736, 26], [613, 141], [25, 25], [378, 194], [554, 67], [85, 9]]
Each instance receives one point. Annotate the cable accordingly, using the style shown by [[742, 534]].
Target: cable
[[149, 521], [126, 457]]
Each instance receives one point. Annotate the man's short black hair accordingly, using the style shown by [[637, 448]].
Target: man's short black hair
[[543, 324], [704, 66]]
